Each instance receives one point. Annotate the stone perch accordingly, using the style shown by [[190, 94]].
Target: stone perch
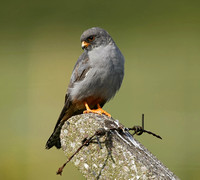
[[118, 156]]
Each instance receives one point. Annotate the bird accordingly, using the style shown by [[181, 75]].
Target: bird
[[95, 79]]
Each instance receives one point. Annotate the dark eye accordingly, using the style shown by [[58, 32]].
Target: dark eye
[[90, 38]]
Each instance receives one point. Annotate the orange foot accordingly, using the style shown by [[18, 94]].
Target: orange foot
[[97, 111]]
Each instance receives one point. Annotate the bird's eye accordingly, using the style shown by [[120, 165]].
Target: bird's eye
[[90, 38]]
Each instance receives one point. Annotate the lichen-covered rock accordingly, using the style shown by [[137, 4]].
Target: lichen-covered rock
[[128, 160]]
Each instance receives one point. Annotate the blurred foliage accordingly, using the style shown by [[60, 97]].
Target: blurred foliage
[[38, 48]]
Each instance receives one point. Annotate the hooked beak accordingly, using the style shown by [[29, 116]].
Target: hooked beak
[[84, 44]]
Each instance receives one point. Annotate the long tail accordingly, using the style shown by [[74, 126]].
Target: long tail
[[54, 139], [68, 111]]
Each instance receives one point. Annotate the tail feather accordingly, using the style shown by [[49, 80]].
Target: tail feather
[[68, 111], [54, 139]]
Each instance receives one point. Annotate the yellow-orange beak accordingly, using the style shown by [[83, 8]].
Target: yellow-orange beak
[[84, 44]]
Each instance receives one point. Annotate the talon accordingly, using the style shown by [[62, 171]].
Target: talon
[[97, 111]]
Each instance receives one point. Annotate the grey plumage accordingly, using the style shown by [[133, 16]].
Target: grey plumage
[[95, 79]]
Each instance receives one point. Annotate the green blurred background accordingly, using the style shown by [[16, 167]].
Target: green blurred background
[[39, 45]]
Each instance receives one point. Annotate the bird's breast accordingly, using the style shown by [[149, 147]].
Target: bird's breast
[[104, 77]]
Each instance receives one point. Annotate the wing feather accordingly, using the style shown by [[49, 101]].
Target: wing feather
[[79, 72]]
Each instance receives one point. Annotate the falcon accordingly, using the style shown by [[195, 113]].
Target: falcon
[[96, 77]]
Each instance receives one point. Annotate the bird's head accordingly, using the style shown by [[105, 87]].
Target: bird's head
[[94, 37]]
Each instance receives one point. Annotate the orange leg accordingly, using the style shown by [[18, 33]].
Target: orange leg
[[97, 111]]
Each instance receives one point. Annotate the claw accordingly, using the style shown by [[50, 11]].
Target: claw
[[97, 111]]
